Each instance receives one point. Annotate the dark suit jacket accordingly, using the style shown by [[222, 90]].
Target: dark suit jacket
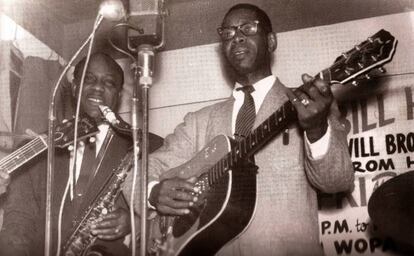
[[24, 210]]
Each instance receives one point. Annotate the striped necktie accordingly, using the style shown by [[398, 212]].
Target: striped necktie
[[247, 113]]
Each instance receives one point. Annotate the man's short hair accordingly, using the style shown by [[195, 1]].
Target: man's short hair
[[77, 73], [262, 17]]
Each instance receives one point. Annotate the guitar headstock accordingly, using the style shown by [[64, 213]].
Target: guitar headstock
[[357, 63], [64, 134]]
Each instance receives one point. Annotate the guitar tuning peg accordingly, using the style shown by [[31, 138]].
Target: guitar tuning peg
[[70, 147], [355, 83], [367, 76], [92, 139], [382, 70], [370, 40]]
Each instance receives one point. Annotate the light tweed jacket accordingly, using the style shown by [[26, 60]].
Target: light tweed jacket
[[286, 219]]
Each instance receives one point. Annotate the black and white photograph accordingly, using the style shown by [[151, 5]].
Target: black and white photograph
[[206, 127]]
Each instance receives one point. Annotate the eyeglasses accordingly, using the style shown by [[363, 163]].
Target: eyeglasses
[[248, 29]]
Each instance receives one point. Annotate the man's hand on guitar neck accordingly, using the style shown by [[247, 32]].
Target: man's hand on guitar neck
[[173, 196], [312, 102]]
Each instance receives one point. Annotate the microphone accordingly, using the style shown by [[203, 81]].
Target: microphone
[[146, 64], [112, 10], [148, 16], [145, 34]]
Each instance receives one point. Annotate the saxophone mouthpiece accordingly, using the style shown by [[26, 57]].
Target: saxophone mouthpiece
[[109, 115], [116, 122]]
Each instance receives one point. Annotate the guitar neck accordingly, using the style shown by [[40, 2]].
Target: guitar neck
[[271, 127], [23, 154]]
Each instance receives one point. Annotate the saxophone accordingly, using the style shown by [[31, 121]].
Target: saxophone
[[81, 238]]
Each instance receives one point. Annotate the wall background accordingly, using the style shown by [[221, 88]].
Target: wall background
[[192, 77]]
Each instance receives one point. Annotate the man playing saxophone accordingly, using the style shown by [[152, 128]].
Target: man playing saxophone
[[23, 229]]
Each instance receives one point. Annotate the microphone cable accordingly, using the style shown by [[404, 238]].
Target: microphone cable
[[72, 171]]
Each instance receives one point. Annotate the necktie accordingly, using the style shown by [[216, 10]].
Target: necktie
[[86, 171], [247, 113]]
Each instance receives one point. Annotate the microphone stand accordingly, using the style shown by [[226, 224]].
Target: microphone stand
[[49, 175], [51, 142], [145, 58], [143, 68]]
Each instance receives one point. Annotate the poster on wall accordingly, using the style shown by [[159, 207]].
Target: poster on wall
[[379, 120], [381, 142]]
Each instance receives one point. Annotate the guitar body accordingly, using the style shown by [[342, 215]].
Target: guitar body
[[225, 210]]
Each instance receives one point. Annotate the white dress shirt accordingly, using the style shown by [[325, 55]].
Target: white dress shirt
[[261, 88], [100, 137]]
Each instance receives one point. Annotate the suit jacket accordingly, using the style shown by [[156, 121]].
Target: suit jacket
[[285, 221], [24, 217]]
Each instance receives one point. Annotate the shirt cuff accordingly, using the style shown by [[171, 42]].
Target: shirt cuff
[[150, 187], [320, 147]]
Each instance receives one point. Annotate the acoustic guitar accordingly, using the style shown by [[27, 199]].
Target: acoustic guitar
[[228, 189]]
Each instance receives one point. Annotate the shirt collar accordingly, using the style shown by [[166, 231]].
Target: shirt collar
[[261, 88], [103, 130]]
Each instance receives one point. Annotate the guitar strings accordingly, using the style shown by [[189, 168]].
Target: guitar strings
[[25, 148], [13, 163], [397, 74], [11, 159]]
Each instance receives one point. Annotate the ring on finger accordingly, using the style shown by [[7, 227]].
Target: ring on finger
[[305, 102]]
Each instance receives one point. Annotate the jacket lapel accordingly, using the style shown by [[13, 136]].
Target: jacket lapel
[[221, 116], [220, 120], [114, 150], [273, 100]]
